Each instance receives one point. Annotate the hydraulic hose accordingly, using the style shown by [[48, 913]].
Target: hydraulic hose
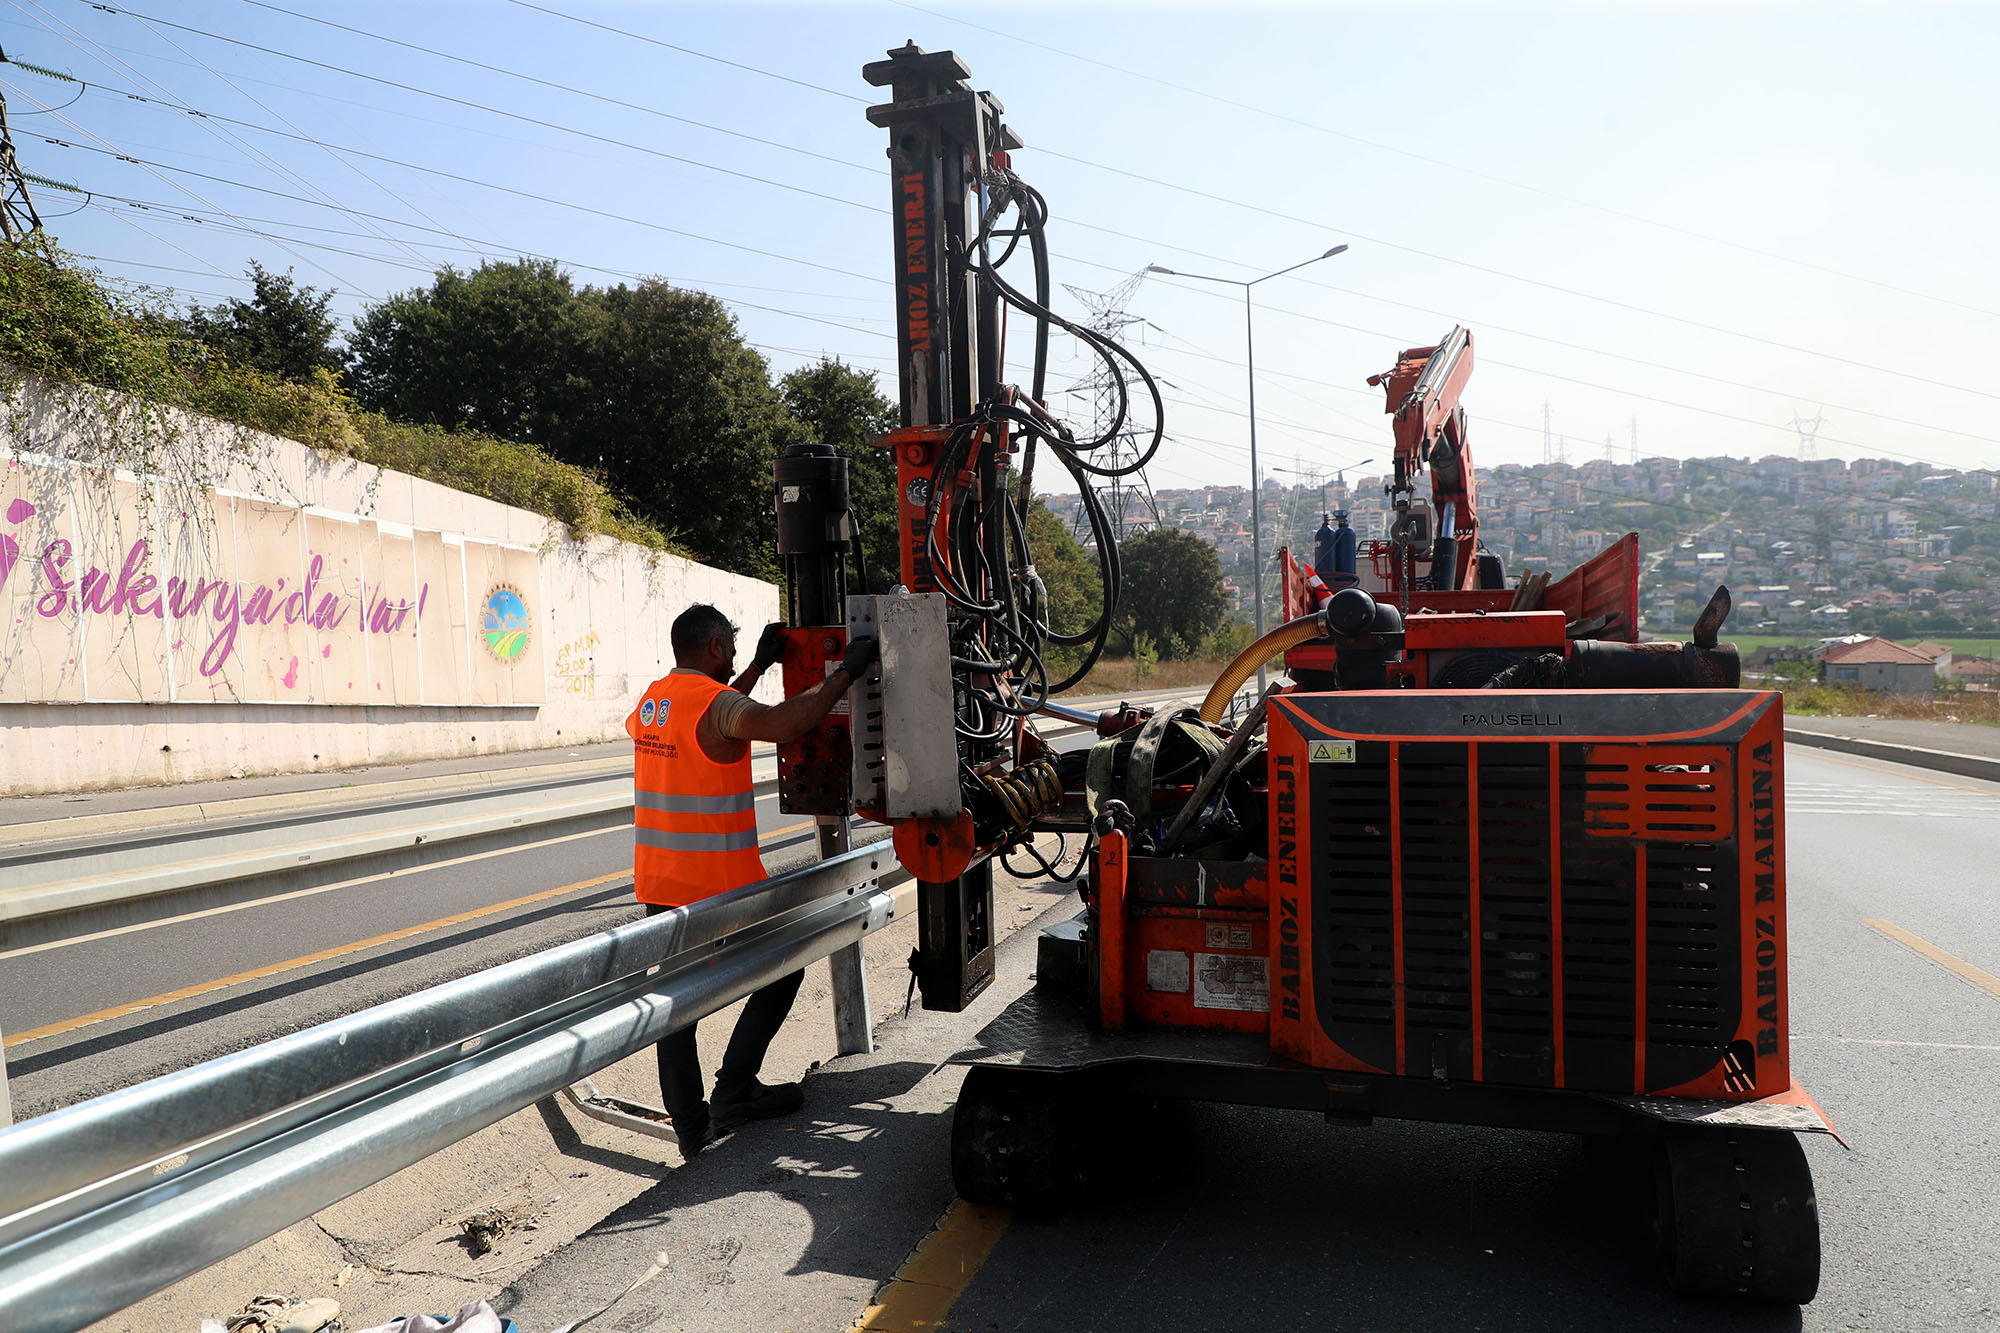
[[1288, 635]]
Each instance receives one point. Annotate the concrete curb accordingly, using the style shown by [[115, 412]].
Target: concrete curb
[[1944, 761]]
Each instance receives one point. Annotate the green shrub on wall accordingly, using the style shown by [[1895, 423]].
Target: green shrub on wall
[[58, 322]]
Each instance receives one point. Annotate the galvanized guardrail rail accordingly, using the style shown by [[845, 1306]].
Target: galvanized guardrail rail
[[107, 1201]]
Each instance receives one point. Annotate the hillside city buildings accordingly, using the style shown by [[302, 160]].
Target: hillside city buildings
[[1817, 547]]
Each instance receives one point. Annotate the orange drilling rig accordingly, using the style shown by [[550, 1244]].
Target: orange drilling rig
[[1480, 856]]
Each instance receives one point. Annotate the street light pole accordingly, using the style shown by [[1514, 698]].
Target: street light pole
[[1256, 478]]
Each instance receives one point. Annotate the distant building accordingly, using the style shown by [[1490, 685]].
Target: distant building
[[1939, 653], [1878, 664]]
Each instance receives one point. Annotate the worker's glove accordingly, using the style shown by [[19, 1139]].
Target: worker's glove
[[770, 646], [860, 653]]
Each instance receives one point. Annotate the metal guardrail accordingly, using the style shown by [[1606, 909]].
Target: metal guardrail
[[105, 1202]]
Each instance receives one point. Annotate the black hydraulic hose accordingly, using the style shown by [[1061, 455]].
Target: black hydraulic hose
[[860, 551]]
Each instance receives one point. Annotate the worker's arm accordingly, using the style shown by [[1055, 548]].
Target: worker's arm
[[802, 712], [770, 649], [752, 721]]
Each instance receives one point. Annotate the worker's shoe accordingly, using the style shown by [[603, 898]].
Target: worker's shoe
[[693, 1133], [761, 1102]]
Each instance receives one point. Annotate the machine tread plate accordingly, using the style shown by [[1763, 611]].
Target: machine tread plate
[[1044, 1031], [1799, 1119]]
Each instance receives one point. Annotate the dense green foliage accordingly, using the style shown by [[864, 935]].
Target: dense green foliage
[[58, 322], [841, 406], [283, 329], [1172, 592], [647, 385]]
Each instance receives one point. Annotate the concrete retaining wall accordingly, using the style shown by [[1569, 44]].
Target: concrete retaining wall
[[600, 613]]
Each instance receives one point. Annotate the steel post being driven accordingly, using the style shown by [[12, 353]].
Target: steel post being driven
[[853, 1029]]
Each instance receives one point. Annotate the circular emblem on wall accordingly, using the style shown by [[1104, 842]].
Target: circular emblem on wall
[[504, 619], [646, 713]]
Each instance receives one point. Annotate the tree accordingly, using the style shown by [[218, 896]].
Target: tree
[[1958, 580], [496, 350], [681, 416], [648, 385], [1172, 591], [283, 329], [1067, 571], [841, 406]]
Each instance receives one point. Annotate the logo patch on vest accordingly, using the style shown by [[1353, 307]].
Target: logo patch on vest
[[663, 711], [646, 713]]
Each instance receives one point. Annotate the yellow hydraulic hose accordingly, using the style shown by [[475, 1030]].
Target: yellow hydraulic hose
[[1288, 635]]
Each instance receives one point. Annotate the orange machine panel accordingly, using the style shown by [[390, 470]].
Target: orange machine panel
[[1580, 889]]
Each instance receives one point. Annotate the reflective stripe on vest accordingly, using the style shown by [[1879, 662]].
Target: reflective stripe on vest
[[695, 820], [697, 842]]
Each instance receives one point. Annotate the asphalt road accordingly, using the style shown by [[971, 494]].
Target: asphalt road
[[1224, 1216], [72, 982], [270, 967]]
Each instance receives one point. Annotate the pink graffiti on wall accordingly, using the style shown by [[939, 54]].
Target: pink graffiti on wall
[[223, 602]]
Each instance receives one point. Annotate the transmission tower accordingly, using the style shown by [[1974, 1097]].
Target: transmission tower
[[1635, 439], [1808, 433], [18, 219], [1610, 448], [1548, 434], [1117, 494]]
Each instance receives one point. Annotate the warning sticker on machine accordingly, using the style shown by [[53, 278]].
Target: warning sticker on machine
[[1329, 752], [1232, 981], [1222, 936]]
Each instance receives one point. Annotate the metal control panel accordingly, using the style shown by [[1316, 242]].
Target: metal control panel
[[905, 740]]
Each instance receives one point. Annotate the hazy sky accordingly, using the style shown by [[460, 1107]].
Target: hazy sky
[[1706, 219]]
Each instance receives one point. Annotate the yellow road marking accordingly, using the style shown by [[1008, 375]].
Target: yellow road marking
[[249, 903], [307, 960], [1950, 962], [1901, 773], [932, 1279], [291, 964]]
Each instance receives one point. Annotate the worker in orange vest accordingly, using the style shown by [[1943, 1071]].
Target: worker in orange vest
[[695, 812]]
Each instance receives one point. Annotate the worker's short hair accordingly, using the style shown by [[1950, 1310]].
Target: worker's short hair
[[695, 626]]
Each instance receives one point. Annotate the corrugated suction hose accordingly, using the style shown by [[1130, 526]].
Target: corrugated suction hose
[[1288, 635]]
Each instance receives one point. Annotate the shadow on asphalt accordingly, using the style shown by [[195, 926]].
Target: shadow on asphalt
[[1206, 1216], [852, 1161]]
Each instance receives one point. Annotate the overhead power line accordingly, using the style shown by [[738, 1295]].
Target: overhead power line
[[567, 88], [784, 185], [875, 209], [1460, 168], [80, 40], [486, 185], [490, 110]]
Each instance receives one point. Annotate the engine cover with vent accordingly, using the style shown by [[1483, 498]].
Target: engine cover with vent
[[1579, 890]]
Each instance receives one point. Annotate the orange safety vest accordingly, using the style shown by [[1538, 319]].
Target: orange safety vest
[[696, 820]]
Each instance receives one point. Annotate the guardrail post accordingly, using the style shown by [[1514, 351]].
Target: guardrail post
[[853, 1033], [7, 1102]]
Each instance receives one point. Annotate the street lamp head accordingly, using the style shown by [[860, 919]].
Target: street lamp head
[[1338, 249]]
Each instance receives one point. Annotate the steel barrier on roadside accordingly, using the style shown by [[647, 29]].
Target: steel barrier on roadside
[[107, 1201]]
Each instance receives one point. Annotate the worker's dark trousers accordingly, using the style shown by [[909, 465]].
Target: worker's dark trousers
[[680, 1062]]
